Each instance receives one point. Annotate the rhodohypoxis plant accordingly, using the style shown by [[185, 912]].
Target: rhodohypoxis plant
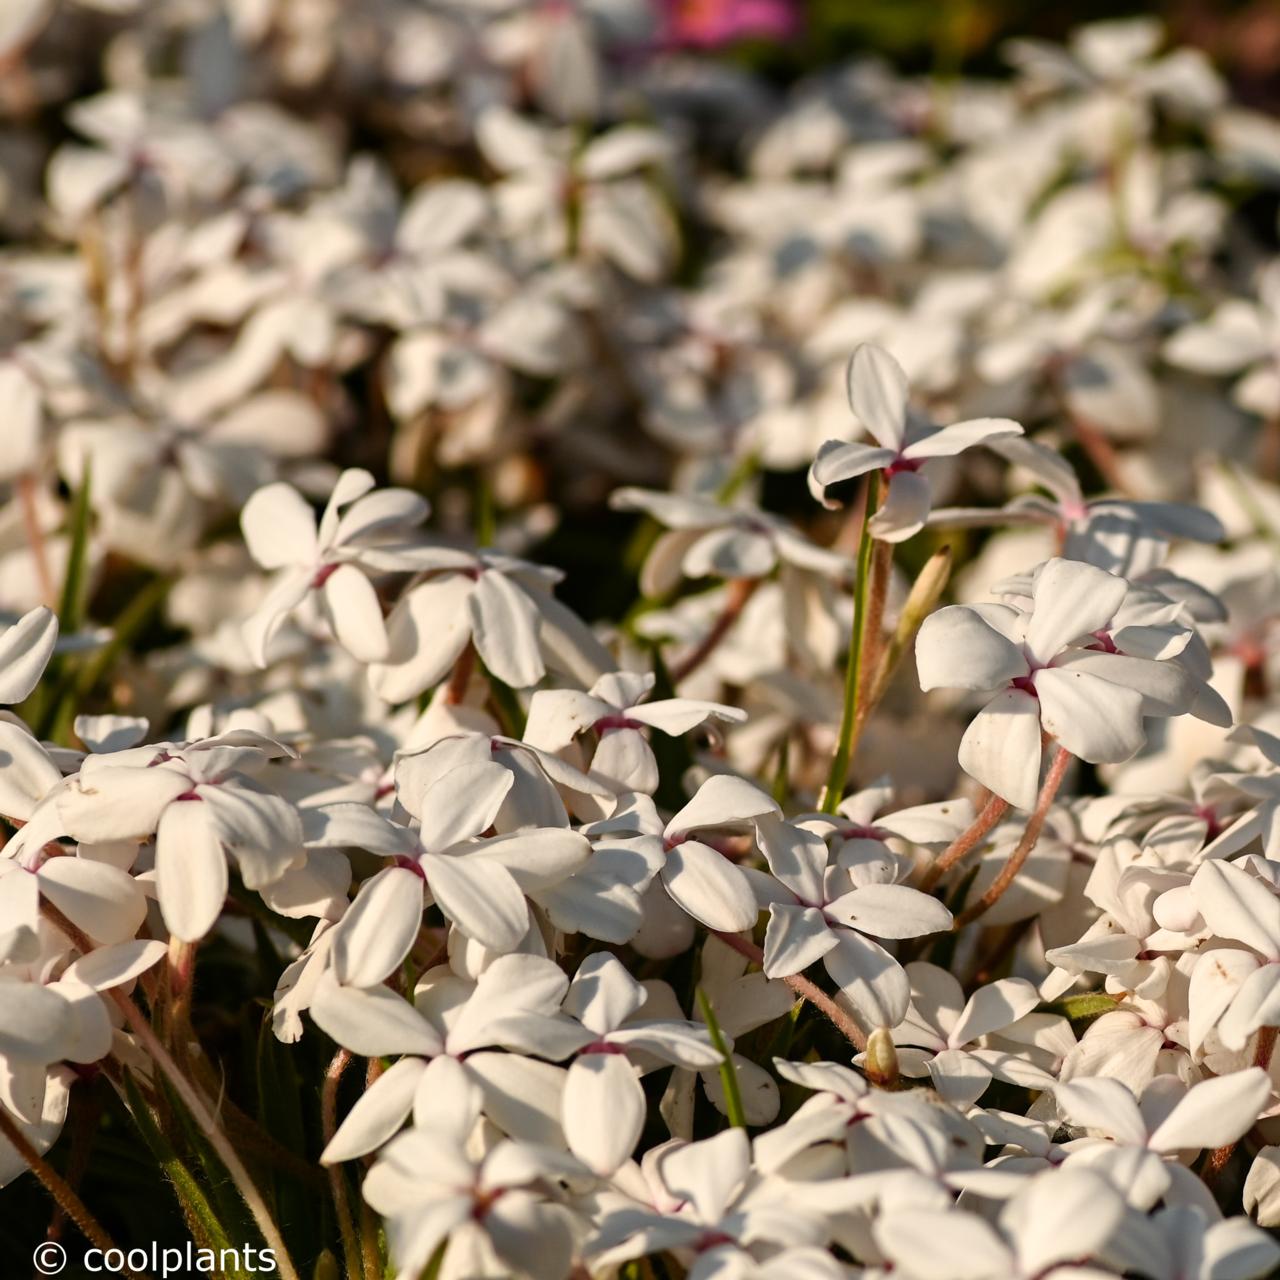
[[470, 809]]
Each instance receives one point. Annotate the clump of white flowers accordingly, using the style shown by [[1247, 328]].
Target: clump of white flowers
[[589, 699]]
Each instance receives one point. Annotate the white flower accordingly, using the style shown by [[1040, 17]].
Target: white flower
[[707, 539], [479, 884], [614, 708], [1058, 1219], [878, 397], [1136, 1140], [820, 910], [501, 605], [718, 1216], [1240, 335], [1050, 678], [604, 1103], [201, 804], [498, 1211], [968, 1043], [329, 562]]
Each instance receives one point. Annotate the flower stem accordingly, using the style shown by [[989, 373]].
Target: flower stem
[[925, 593], [832, 793], [63, 1195], [1031, 833], [460, 677], [740, 591], [805, 989], [965, 842], [337, 1175]]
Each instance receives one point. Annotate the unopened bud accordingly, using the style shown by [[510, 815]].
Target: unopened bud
[[925, 591], [326, 1267], [881, 1062]]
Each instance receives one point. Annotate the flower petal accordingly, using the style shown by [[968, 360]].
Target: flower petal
[[1094, 719], [877, 386], [1001, 747]]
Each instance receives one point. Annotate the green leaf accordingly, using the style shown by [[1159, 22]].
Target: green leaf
[[1081, 1008], [728, 1072], [201, 1217], [72, 604]]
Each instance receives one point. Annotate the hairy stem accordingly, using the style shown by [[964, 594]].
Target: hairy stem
[[338, 1185], [63, 1195], [1030, 834], [805, 989], [965, 842], [740, 591], [460, 677]]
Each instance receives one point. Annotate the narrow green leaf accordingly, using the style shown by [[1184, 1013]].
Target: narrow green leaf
[[196, 1208], [72, 604], [728, 1072]]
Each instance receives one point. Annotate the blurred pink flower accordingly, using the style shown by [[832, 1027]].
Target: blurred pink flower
[[708, 24]]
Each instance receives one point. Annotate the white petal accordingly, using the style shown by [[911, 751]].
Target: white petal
[[1001, 748], [480, 897], [106, 903], [891, 911], [107, 967], [730, 552], [709, 887], [504, 623], [462, 803], [381, 1110], [427, 630], [279, 527], [1215, 1112], [191, 870], [27, 774], [25, 649], [957, 649], [722, 799], [960, 436], [1236, 905], [877, 389], [1070, 599], [795, 938], [871, 978], [379, 928], [1094, 719], [837, 461], [1063, 1214], [1104, 1106], [603, 995], [355, 615], [709, 1174], [35, 1023], [993, 1007], [797, 857], [373, 1023], [933, 1244], [604, 1110], [905, 508]]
